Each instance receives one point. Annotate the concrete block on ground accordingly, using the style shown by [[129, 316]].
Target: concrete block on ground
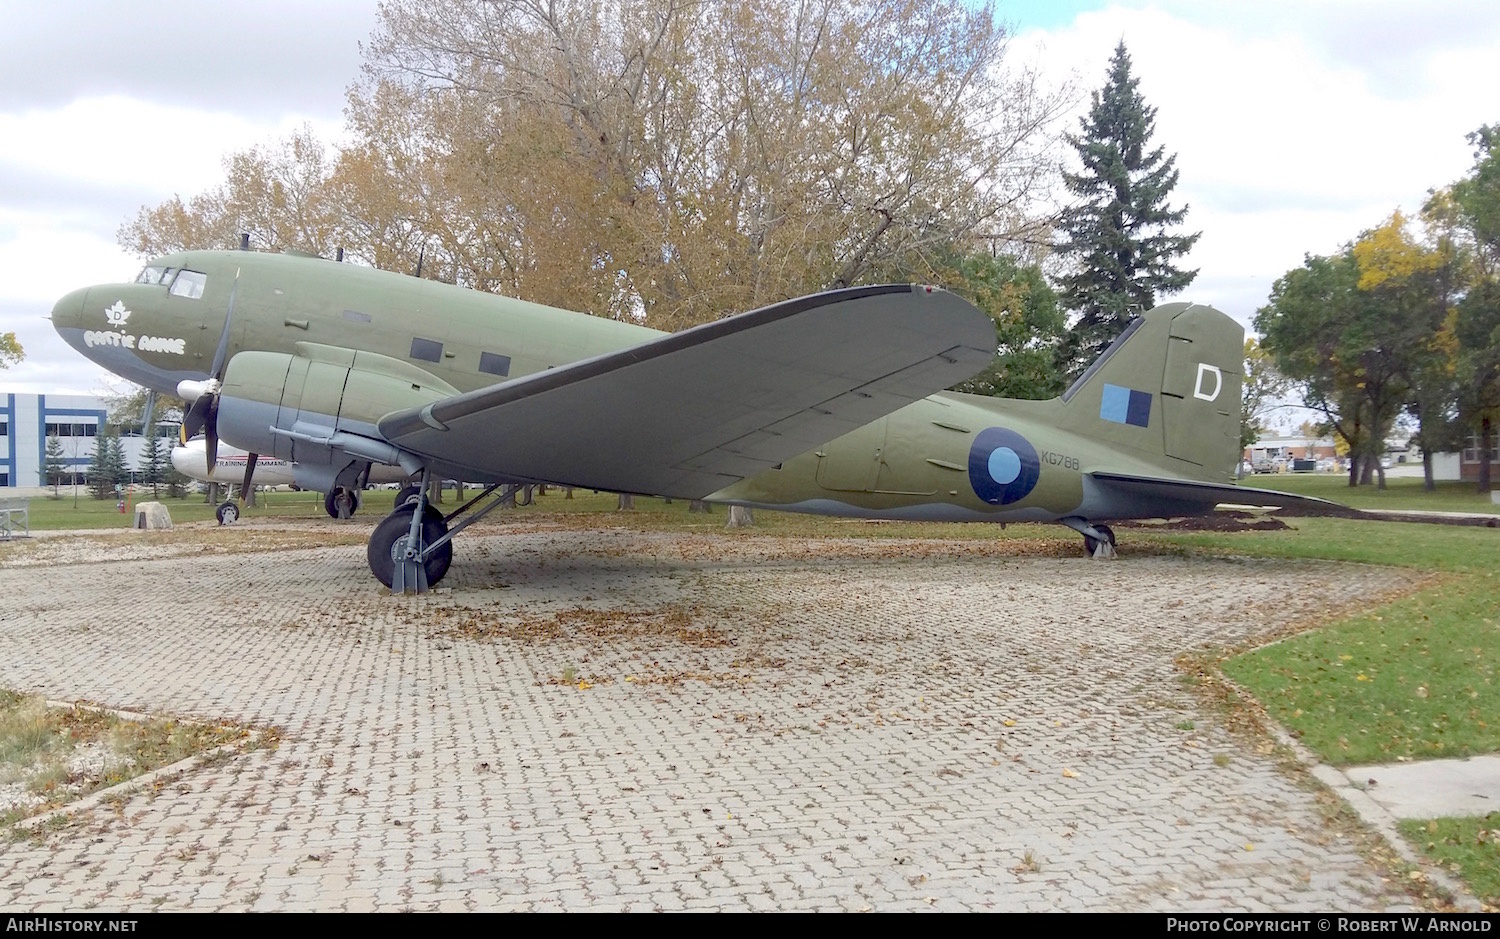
[[152, 515]]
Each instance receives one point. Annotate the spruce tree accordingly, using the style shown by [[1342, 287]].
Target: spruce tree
[[55, 467], [154, 465], [1117, 232], [118, 461], [108, 467], [101, 470]]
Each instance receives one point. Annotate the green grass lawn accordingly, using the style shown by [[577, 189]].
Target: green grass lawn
[[1415, 678], [68, 512], [1403, 493], [1468, 847], [65, 512]]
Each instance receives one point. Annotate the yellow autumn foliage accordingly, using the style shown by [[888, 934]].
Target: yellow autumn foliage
[[1388, 255]]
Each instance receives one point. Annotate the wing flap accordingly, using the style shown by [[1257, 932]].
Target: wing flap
[[689, 413]]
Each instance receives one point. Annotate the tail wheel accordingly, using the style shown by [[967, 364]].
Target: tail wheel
[[1091, 544], [388, 545], [227, 513], [407, 493]]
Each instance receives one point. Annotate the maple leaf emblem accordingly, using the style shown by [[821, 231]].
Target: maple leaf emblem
[[117, 314]]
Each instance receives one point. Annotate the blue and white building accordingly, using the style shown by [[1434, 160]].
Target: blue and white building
[[28, 420]]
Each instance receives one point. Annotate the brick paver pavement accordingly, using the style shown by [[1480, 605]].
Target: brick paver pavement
[[624, 720]]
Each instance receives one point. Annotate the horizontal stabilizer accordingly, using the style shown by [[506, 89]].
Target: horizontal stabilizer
[[1186, 497]]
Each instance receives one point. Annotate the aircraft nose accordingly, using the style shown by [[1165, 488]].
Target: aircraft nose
[[67, 313]]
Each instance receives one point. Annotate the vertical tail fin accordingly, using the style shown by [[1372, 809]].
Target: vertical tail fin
[[1168, 388]]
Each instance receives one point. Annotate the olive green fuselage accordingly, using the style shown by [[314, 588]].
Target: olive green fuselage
[[926, 460]]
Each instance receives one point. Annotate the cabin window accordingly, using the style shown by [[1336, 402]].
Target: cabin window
[[427, 350], [189, 284], [4, 429], [494, 364]]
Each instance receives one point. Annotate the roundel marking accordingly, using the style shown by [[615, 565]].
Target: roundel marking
[[1003, 466]]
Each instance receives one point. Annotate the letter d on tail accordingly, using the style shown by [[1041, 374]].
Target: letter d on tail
[[1204, 370]]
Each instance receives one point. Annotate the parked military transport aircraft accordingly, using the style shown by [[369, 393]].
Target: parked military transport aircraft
[[828, 404], [190, 458]]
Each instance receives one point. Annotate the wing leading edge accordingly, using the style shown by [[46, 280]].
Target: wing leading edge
[[692, 412]]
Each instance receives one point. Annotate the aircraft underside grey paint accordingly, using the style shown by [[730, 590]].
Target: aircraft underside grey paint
[[931, 512]]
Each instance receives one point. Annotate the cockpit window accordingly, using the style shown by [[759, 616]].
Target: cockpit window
[[188, 284], [151, 275]]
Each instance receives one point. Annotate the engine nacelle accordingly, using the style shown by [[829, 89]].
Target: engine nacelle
[[313, 395]]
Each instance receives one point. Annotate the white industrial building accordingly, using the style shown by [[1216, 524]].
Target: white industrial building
[[28, 420]]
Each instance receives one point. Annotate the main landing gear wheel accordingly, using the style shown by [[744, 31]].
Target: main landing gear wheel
[[405, 567], [227, 513], [340, 502], [1092, 545], [388, 545]]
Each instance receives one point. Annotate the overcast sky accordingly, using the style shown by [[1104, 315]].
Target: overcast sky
[[1296, 123]]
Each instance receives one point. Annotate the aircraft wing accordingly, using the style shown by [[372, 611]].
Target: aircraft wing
[[692, 412], [1182, 496]]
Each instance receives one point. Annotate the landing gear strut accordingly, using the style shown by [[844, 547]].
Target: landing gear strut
[[410, 550]]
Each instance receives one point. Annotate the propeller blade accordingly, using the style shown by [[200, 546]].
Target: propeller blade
[[197, 416], [222, 352], [249, 471], [211, 433], [203, 414], [146, 427]]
